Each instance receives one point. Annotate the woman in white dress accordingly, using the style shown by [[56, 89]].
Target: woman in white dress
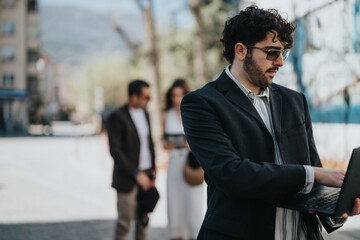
[[185, 210]]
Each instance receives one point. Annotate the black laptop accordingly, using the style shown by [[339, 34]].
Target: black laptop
[[330, 201]]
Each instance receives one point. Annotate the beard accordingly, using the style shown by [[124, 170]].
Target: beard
[[253, 70]]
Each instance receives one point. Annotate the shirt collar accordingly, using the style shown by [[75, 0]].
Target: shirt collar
[[250, 94], [136, 110]]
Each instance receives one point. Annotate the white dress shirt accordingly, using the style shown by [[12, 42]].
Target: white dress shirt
[[142, 127]]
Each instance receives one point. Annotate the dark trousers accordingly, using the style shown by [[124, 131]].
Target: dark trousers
[[207, 234]]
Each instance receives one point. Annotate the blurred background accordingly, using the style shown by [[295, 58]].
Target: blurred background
[[65, 65]]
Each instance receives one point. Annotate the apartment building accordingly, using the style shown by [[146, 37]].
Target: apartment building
[[20, 100]]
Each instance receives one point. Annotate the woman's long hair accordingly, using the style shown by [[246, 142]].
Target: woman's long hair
[[177, 83]]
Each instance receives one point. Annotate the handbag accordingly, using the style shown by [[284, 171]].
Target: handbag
[[147, 200], [193, 173]]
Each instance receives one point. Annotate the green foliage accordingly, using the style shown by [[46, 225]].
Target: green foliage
[[215, 14], [176, 57], [177, 47]]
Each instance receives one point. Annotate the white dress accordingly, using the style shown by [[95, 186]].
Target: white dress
[[185, 202]]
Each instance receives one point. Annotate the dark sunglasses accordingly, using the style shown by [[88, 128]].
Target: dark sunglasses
[[272, 54]]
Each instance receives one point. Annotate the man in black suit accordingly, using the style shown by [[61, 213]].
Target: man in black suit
[[132, 149], [254, 138]]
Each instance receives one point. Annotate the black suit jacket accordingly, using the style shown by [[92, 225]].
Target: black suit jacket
[[232, 144], [125, 148]]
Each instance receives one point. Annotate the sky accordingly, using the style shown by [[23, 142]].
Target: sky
[[94, 5], [160, 5], [164, 8]]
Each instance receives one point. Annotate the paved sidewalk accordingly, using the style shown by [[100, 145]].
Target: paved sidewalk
[[77, 230], [102, 230], [353, 234], [59, 189]]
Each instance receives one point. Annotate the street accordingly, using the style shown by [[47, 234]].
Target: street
[[59, 188]]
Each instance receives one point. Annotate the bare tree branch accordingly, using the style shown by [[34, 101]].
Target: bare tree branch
[[141, 7], [316, 9], [134, 47]]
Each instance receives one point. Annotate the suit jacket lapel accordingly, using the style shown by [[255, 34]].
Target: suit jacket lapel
[[237, 96], [276, 110], [132, 124], [133, 129]]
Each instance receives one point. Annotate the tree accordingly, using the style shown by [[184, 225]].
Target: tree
[[199, 43], [152, 54]]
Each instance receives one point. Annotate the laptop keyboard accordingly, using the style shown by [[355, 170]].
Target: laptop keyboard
[[325, 202]]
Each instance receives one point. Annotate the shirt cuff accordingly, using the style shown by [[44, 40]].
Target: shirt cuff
[[335, 222], [309, 182]]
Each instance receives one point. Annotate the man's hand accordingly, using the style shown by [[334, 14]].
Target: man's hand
[[335, 178], [329, 177], [144, 181], [153, 172], [355, 210]]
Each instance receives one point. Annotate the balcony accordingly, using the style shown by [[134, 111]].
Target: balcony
[[33, 17], [33, 44], [31, 69], [33, 36], [32, 85]]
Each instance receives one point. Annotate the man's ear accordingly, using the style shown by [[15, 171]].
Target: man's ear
[[240, 51], [134, 98]]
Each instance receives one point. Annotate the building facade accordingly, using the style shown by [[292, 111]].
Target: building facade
[[19, 82]]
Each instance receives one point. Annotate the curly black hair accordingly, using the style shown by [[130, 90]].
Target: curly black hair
[[251, 26]]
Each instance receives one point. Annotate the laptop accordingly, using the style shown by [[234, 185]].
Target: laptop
[[329, 201]]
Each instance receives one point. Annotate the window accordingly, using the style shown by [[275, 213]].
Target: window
[[7, 54], [8, 80], [32, 56], [32, 84], [7, 4], [32, 6], [8, 28]]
